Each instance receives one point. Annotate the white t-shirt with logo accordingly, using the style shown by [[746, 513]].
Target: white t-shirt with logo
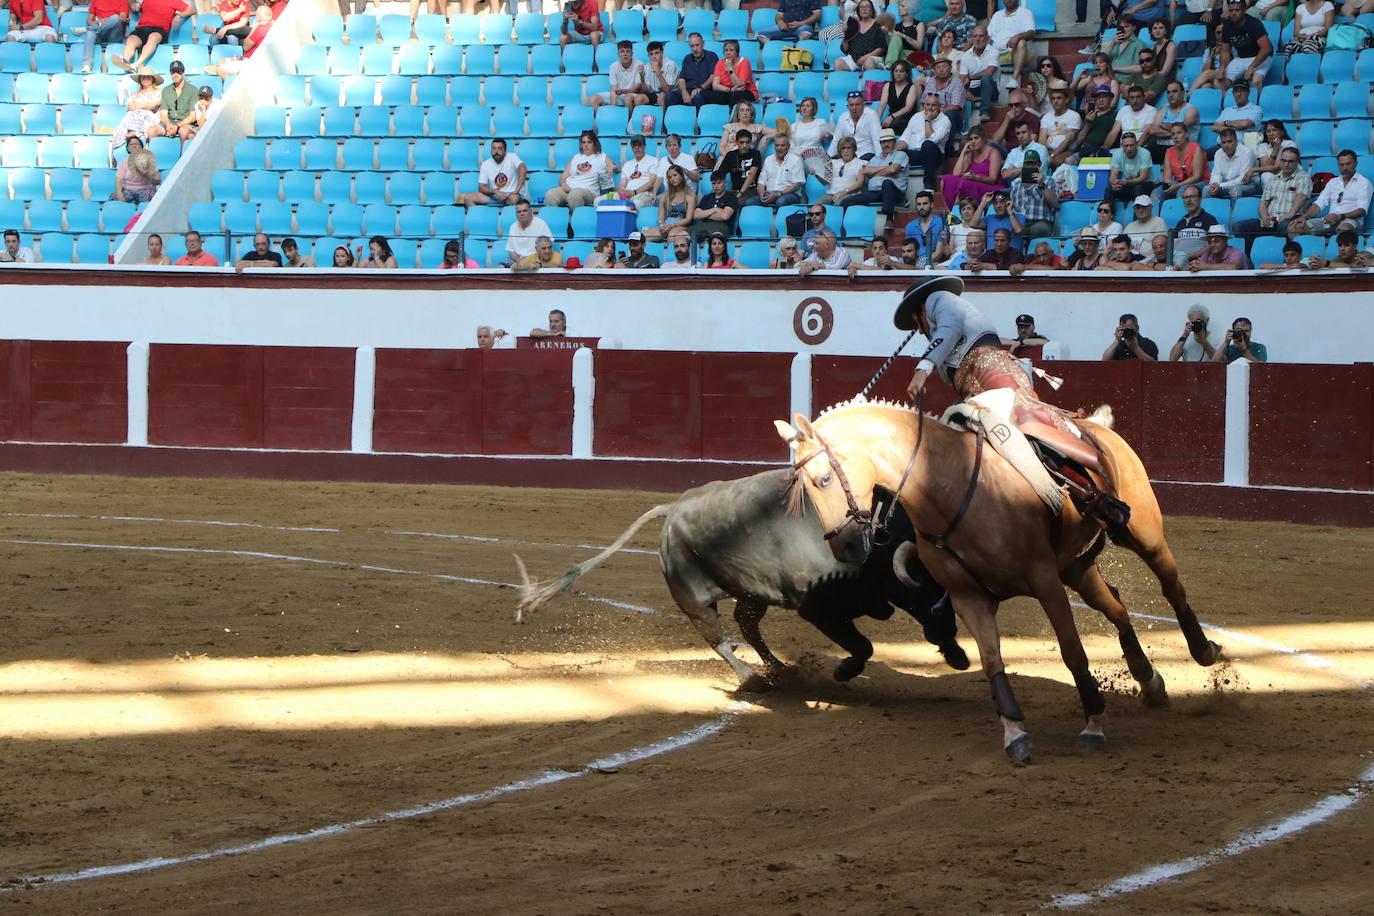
[[637, 173], [585, 171], [504, 177], [1135, 121], [1059, 128]]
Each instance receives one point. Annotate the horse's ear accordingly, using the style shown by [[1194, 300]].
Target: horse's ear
[[803, 426], [789, 435]]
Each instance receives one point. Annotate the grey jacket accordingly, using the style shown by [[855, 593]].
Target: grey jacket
[[955, 326]]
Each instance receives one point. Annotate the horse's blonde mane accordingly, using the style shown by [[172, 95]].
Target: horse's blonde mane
[[861, 402]]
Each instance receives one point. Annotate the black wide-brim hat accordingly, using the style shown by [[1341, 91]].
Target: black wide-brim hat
[[917, 293]]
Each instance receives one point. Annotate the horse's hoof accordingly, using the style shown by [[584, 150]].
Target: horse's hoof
[[1090, 743], [1019, 751], [1213, 654], [849, 669], [1153, 694], [955, 656]]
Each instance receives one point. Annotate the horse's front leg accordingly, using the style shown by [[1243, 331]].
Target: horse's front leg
[[979, 614], [1050, 593]]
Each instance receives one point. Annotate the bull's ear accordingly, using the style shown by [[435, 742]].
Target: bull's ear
[[789, 435], [803, 425]]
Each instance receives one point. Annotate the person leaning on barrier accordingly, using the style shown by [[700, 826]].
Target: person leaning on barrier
[[196, 255], [262, 255], [974, 246], [487, 336], [826, 254], [789, 255], [1158, 258], [1088, 253], [558, 324], [1119, 255], [1042, 257], [1026, 334], [13, 252], [1218, 254], [682, 253], [1292, 259], [1129, 343], [880, 258], [1348, 254], [291, 255], [1239, 345], [156, 256], [544, 257]]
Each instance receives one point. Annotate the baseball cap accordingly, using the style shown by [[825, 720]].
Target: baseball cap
[[1144, 200], [635, 237], [1217, 229], [1031, 156], [1103, 90], [177, 67], [1241, 84], [887, 133], [1024, 319], [637, 140], [206, 92]]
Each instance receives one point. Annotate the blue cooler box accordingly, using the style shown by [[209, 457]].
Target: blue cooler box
[[615, 219], [1094, 177]]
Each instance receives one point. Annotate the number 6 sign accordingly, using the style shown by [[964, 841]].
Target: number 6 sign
[[813, 321]]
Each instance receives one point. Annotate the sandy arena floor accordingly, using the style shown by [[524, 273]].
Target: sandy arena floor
[[217, 688]]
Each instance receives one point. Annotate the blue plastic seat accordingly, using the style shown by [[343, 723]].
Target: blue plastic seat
[[394, 29], [404, 251], [1244, 208], [1277, 102], [250, 154], [557, 217], [858, 222], [327, 29], [509, 121], [369, 188], [513, 60], [577, 118], [269, 121], [285, 154], [313, 60], [1311, 245], [466, 29], [262, 186], [379, 219], [312, 219], [346, 219], [1351, 133], [540, 184], [336, 187], [77, 119], [496, 28], [65, 89], [577, 60], [298, 186], [437, 188], [1302, 69], [498, 90], [1314, 138], [324, 90], [359, 90], [479, 60], [56, 152], [195, 58], [441, 120], [65, 184], [754, 255], [403, 189], [290, 89], [55, 248], [101, 183], [532, 90], [565, 90], [40, 118], [50, 57], [1350, 100], [93, 249], [227, 184], [394, 90], [45, 215], [345, 59], [166, 149], [357, 154], [1337, 66], [361, 28], [1314, 102], [432, 251], [732, 24], [430, 29], [305, 121], [378, 60], [10, 120], [241, 217], [583, 223], [702, 21], [430, 90], [483, 221], [756, 222], [545, 60], [464, 155], [447, 60], [682, 120], [543, 121], [711, 119], [413, 60], [374, 121], [529, 29], [204, 216], [1364, 60], [413, 220], [629, 26], [427, 155], [275, 217], [84, 215], [339, 121], [605, 55], [474, 121], [448, 220], [320, 154], [661, 24], [612, 121], [393, 154]]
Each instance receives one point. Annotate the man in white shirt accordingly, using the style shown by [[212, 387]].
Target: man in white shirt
[[1229, 167], [522, 235], [860, 122], [826, 254], [1146, 225], [1010, 29], [1025, 142], [925, 137], [782, 180], [1345, 198], [660, 76], [627, 78], [639, 175], [13, 253], [1058, 127], [886, 174], [673, 155], [1134, 116], [500, 181], [682, 253], [979, 67]]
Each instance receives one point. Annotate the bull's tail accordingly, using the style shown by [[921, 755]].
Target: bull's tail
[[534, 595]]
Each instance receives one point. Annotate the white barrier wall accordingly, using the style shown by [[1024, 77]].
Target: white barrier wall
[[648, 312]]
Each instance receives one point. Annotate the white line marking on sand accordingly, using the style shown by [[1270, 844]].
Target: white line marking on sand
[[547, 778]]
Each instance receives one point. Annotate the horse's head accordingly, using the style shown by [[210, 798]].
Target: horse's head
[[839, 486]]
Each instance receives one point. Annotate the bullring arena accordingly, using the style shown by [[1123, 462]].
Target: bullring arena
[[306, 692]]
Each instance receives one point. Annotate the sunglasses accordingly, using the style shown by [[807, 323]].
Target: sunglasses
[[855, 95], [1104, 209], [818, 213]]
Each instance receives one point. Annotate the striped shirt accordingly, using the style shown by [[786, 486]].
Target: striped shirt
[[1282, 193]]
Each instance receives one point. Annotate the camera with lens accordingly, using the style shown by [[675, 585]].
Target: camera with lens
[[1238, 336], [1199, 325], [1128, 333], [570, 7]]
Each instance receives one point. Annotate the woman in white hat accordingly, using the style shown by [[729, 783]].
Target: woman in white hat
[[141, 119]]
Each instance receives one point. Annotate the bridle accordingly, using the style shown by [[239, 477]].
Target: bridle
[[861, 517]]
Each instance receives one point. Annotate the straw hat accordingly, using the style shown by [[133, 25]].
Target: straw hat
[[141, 72]]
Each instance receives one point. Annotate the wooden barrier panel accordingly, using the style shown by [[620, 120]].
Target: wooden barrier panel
[[1312, 426], [690, 405], [839, 378], [1184, 421], [473, 402], [63, 391], [250, 397]]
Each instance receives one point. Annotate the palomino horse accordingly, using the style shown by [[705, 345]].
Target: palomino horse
[[985, 535]]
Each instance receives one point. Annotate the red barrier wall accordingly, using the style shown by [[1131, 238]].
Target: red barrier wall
[[473, 402], [250, 397], [839, 378], [1312, 426], [690, 405], [63, 391]]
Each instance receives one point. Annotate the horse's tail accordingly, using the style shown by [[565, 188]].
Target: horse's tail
[[1103, 416], [534, 595]]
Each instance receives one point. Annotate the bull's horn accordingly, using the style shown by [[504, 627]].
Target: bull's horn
[[902, 557]]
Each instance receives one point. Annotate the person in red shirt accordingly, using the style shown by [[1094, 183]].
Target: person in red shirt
[[195, 255], [234, 16], [733, 80], [581, 24], [107, 22], [156, 18], [29, 21]]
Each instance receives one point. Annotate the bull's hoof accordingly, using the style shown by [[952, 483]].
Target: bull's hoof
[[757, 683], [955, 656], [1019, 751], [1090, 743], [1153, 694], [849, 669]]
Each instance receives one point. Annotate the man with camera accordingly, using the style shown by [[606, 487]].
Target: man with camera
[[1129, 343], [1195, 345], [581, 23], [1033, 198], [1239, 345]]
